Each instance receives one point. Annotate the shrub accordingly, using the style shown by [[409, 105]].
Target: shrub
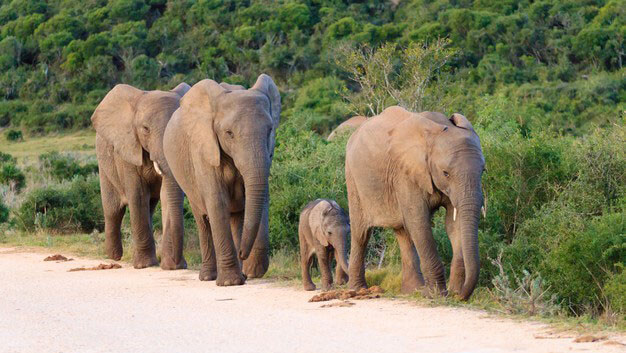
[[64, 166], [12, 176], [7, 158], [4, 212], [63, 208], [13, 135]]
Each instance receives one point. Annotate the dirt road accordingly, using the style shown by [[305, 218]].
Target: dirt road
[[45, 308]]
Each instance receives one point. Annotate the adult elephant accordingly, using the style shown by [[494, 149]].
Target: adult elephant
[[347, 126], [129, 127], [400, 168], [219, 145]]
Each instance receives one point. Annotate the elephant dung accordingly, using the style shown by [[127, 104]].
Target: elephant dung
[[111, 266], [57, 257], [363, 293]]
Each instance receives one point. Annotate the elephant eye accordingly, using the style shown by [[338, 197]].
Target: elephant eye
[[330, 233], [145, 129], [230, 133], [446, 174]]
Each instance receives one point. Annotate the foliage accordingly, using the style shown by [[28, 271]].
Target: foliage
[[412, 77], [13, 135], [68, 207], [65, 166], [527, 295], [10, 174], [4, 212]]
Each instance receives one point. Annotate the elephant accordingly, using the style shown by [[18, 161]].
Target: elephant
[[129, 125], [219, 145], [400, 168], [347, 126], [324, 226]]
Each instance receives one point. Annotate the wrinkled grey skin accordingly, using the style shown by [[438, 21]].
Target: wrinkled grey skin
[[400, 168], [129, 126], [323, 230], [219, 145]]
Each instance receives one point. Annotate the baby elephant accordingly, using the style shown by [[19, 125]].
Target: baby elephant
[[324, 227]]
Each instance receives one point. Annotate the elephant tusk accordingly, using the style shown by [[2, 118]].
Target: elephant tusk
[[156, 167], [454, 215], [484, 211]]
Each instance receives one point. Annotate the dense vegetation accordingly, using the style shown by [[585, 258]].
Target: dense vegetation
[[542, 81]]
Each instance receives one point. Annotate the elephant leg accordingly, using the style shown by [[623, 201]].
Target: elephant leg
[[306, 260], [257, 263], [208, 269], [172, 215], [341, 277], [412, 278], [360, 235], [236, 228], [418, 226], [323, 260], [457, 266], [228, 267], [113, 213], [359, 238], [143, 240]]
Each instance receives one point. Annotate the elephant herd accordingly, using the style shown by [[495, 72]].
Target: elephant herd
[[214, 143]]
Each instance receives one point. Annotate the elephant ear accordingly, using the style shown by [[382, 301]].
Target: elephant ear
[[461, 121], [197, 115], [181, 89], [232, 87], [409, 146], [113, 120], [316, 220], [266, 85]]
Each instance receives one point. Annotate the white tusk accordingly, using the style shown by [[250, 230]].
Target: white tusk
[[484, 211], [454, 215], [156, 167]]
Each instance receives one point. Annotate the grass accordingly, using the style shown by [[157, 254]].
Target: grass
[[82, 142]]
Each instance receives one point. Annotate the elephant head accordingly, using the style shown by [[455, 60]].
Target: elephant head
[[444, 155], [225, 122], [133, 120], [331, 227]]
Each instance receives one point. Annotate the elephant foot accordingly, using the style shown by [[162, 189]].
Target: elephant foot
[[230, 278], [355, 284], [434, 292], [114, 252], [168, 264], [256, 265], [410, 284], [309, 286], [327, 286], [145, 261], [207, 274], [342, 279]]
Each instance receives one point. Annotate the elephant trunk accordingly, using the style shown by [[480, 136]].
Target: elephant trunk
[[342, 257], [469, 214], [175, 196], [256, 192]]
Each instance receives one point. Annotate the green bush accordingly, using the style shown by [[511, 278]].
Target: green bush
[[64, 166], [615, 290], [13, 135], [63, 208], [12, 176], [4, 212]]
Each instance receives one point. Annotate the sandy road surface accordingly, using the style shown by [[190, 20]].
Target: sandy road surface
[[44, 308]]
